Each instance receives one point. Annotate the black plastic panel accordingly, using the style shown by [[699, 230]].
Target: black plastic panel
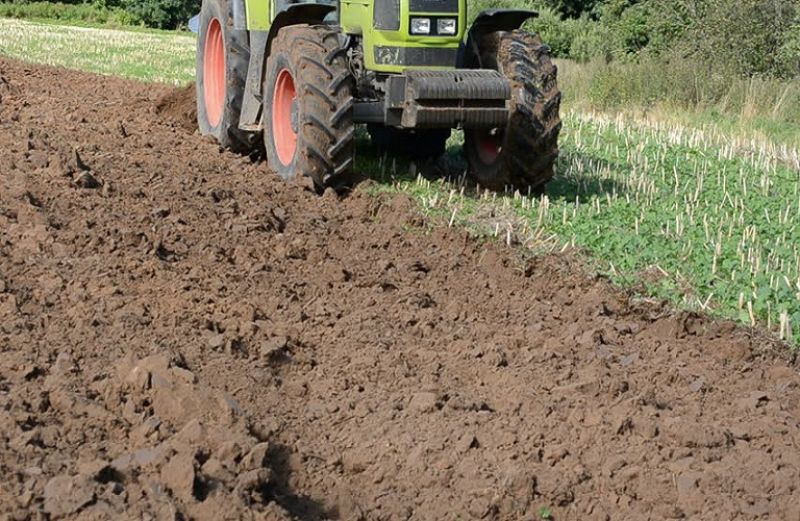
[[387, 15], [416, 56], [434, 6]]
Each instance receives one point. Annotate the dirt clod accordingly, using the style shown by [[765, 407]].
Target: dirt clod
[[177, 106], [259, 352], [86, 180], [178, 475], [423, 402], [65, 495]]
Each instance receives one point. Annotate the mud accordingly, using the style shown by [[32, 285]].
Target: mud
[[183, 336], [179, 107]]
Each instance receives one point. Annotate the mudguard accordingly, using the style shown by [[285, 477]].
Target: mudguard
[[298, 14], [489, 21], [260, 43]]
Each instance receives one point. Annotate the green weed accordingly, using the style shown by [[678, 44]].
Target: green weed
[[710, 223]]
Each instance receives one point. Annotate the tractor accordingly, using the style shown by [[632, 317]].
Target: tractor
[[299, 76]]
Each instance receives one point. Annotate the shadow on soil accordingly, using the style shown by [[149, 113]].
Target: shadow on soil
[[576, 178], [299, 506]]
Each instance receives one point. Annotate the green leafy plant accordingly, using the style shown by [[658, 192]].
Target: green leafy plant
[[162, 14]]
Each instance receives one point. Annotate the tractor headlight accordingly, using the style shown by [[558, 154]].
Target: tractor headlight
[[446, 26], [420, 26]]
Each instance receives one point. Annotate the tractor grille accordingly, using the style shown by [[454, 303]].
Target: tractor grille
[[416, 56], [434, 6]]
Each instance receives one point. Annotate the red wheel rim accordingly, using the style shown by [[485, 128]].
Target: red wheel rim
[[490, 144], [214, 72], [284, 110]]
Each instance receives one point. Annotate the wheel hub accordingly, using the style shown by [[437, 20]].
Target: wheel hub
[[490, 145]]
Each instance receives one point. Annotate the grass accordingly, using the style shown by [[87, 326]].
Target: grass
[[681, 91], [699, 214], [156, 56], [710, 224]]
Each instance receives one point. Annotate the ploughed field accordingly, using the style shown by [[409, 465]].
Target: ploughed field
[[184, 336]]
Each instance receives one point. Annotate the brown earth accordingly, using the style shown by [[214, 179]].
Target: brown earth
[[183, 336]]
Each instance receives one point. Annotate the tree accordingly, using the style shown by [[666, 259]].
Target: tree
[[574, 8], [162, 14]]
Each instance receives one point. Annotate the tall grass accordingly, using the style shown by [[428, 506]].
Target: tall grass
[[657, 86]]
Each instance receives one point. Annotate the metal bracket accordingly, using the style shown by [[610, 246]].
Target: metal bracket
[[250, 118], [239, 15]]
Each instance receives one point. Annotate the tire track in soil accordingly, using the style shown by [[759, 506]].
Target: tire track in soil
[[184, 336]]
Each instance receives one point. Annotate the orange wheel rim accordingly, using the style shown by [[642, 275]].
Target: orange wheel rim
[[214, 72], [490, 144], [284, 117]]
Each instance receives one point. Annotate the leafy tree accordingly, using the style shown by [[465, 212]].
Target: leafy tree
[[750, 37], [162, 14], [574, 8]]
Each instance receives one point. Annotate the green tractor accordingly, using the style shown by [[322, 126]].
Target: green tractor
[[302, 75]]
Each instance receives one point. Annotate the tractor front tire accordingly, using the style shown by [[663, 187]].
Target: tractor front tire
[[523, 154], [223, 54], [308, 107], [415, 144]]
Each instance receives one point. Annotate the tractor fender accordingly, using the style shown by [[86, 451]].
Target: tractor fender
[[298, 14], [489, 21], [260, 45]]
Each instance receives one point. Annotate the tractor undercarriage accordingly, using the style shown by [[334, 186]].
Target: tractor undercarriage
[[408, 69]]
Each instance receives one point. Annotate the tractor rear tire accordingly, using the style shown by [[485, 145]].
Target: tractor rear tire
[[308, 107], [523, 154], [415, 144], [223, 54]]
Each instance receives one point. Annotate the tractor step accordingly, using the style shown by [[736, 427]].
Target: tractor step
[[440, 99]]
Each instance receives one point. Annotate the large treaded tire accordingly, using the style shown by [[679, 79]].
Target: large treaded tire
[[528, 145], [322, 116], [237, 55], [415, 144]]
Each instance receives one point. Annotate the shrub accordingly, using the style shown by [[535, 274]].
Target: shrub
[[745, 37], [557, 33], [163, 14], [592, 40], [580, 38], [789, 53], [83, 13]]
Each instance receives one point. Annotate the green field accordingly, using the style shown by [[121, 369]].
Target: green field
[[693, 215], [157, 56]]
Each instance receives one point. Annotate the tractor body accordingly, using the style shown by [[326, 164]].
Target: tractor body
[[384, 27], [413, 71], [408, 80]]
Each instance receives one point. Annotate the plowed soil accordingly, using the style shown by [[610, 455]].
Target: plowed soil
[[184, 336]]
